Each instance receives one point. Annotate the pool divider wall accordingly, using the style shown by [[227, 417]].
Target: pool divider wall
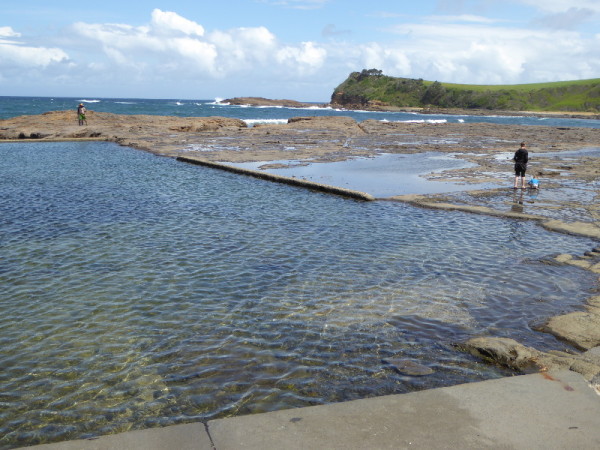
[[280, 179]]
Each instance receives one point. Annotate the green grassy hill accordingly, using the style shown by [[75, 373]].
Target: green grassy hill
[[372, 89]]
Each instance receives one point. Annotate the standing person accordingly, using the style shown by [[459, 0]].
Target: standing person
[[521, 158], [81, 114]]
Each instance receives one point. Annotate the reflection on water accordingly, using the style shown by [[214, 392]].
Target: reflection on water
[[382, 176], [565, 154], [517, 205], [138, 291]]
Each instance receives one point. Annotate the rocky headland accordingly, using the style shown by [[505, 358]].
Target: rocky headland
[[571, 178], [372, 89]]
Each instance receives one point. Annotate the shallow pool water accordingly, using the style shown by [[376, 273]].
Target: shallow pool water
[[139, 291], [383, 175]]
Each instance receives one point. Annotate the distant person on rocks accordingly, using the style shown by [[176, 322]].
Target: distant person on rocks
[[81, 114], [521, 158]]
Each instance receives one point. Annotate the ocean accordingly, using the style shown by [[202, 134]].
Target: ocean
[[139, 291], [17, 106]]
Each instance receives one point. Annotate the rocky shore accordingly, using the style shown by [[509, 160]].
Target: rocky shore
[[569, 182], [378, 106], [381, 106]]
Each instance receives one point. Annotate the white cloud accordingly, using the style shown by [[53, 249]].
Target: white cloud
[[557, 6], [241, 49], [119, 36], [455, 35], [373, 56], [137, 47], [169, 22], [171, 53], [201, 55], [465, 53], [252, 44], [8, 32], [215, 54], [304, 59], [468, 18], [14, 55], [569, 19], [30, 56], [397, 60]]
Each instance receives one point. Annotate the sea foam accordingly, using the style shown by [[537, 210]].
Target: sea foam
[[252, 122]]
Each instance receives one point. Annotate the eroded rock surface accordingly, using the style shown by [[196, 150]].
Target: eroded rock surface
[[509, 353], [408, 367], [580, 328], [125, 129]]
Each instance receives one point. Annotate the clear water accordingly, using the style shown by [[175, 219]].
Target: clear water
[[138, 291], [382, 175]]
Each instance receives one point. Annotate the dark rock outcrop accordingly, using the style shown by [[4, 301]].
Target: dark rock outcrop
[[509, 353], [260, 101]]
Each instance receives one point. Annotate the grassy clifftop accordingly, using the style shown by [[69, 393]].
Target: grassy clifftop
[[372, 89]]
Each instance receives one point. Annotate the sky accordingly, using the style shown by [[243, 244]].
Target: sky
[[286, 49]]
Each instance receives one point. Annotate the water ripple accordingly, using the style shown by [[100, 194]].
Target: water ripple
[[139, 291]]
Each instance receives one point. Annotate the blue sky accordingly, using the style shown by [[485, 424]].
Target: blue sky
[[294, 49]]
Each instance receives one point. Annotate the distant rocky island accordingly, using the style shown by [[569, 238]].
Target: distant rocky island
[[260, 101]]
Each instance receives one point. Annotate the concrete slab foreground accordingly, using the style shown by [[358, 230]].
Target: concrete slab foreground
[[190, 436], [538, 411], [558, 411]]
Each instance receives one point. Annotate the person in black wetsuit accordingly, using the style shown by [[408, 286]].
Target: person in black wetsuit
[[521, 158]]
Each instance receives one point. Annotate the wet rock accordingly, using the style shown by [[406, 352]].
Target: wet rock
[[580, 328], [593, 355], [563, 258], [504, 351], [510, 353], [578, 228], [408, 367], [586, 263]]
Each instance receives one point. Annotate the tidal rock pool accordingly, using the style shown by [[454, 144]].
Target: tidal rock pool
[[138, 291]]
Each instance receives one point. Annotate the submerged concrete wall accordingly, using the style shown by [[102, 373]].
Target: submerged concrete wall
[[280, 179]]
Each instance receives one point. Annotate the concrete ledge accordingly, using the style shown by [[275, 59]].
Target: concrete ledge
[[585, 229], [539, 411], [280, 179], [424, 202], [190, 436]]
